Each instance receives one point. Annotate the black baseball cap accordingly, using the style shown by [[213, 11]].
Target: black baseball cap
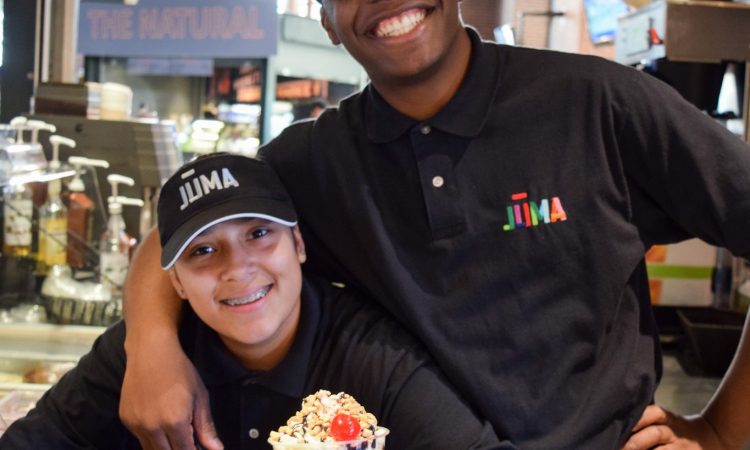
[[215, 188]]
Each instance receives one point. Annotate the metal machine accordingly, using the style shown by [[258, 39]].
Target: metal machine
[[703, 32]]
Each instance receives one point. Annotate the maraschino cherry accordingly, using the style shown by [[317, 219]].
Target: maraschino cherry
[[344, 427]]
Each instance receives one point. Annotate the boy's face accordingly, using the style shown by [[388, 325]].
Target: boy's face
[[243, 278], [394, 40]]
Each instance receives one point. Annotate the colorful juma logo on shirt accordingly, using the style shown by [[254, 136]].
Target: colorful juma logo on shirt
[[526, 214]]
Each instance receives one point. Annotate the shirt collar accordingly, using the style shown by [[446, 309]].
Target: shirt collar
[[382, 121], [217, 366], [464, 115]]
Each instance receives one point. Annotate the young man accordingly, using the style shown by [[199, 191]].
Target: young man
[[499, 202], [261, 335]]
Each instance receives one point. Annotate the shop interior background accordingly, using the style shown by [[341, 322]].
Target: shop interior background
[[160, 111]]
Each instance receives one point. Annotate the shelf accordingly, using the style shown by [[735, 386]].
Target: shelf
[[26, 347], [48, 339]]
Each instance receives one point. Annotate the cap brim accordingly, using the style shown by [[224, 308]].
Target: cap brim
[[268, 209]]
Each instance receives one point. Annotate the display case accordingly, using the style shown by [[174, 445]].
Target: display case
[[33, 357]]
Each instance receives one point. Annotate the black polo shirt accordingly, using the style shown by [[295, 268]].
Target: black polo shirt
[[508, 231], [342, 344]]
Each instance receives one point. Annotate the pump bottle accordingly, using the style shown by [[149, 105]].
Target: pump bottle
[[115, 244], [80, 213], [53, 215], [36, 126], [39, 187], [18, 208]]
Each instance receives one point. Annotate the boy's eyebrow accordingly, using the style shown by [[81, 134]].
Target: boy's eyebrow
[[244, 219]]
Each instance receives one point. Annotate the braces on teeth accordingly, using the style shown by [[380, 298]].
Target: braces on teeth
[[255, 297]]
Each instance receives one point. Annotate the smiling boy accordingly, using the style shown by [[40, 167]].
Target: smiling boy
[[427, 190], [261, 335]]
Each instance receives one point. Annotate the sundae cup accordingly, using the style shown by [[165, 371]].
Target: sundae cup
[[330, 422]]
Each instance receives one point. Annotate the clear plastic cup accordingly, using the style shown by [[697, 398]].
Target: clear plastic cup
[[376, 442]]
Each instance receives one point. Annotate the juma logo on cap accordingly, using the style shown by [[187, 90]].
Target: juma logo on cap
[[203, 184], [215, 188]]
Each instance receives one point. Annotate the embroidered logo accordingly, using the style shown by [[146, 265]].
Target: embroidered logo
[[200, 185], [526, 214]]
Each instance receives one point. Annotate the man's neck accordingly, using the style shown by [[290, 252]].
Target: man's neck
[[422, 97]]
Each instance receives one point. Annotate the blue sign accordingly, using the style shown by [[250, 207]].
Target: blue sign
[[162, 66], [179, 29], [601, 18]]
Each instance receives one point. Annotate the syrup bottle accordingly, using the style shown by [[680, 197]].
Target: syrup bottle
[[53, 216], [18, 205], [80, 213]]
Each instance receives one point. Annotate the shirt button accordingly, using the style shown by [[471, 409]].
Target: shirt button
[[438, 181], [254, 433], [426, 129]]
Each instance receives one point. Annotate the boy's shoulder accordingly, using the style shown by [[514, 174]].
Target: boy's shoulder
[[361, 349], [353, 322]]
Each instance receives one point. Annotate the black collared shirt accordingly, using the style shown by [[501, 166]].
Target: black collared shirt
[[342, 344], [508, 231]]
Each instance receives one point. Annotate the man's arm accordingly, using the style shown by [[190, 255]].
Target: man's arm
[[163, 400], [723, 425], [730, 413], [690, 177], [427, 413]]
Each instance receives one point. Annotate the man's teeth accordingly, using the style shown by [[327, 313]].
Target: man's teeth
[[254, 297], [396, 26]]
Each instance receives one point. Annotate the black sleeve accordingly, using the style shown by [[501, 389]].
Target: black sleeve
[[689, 175], [363, 351], [81, 410], [436, 417]]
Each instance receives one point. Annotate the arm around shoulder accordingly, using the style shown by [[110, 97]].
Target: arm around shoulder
[[151, 306], [163, 399]]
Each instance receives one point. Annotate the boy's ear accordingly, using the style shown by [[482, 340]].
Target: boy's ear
[[176, 283], [326, 22], [299, 244]]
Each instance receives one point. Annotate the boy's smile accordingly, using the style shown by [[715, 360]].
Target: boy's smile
[[401, 37], [401, 24], [247, 299], [243, 278], [415, 51]]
